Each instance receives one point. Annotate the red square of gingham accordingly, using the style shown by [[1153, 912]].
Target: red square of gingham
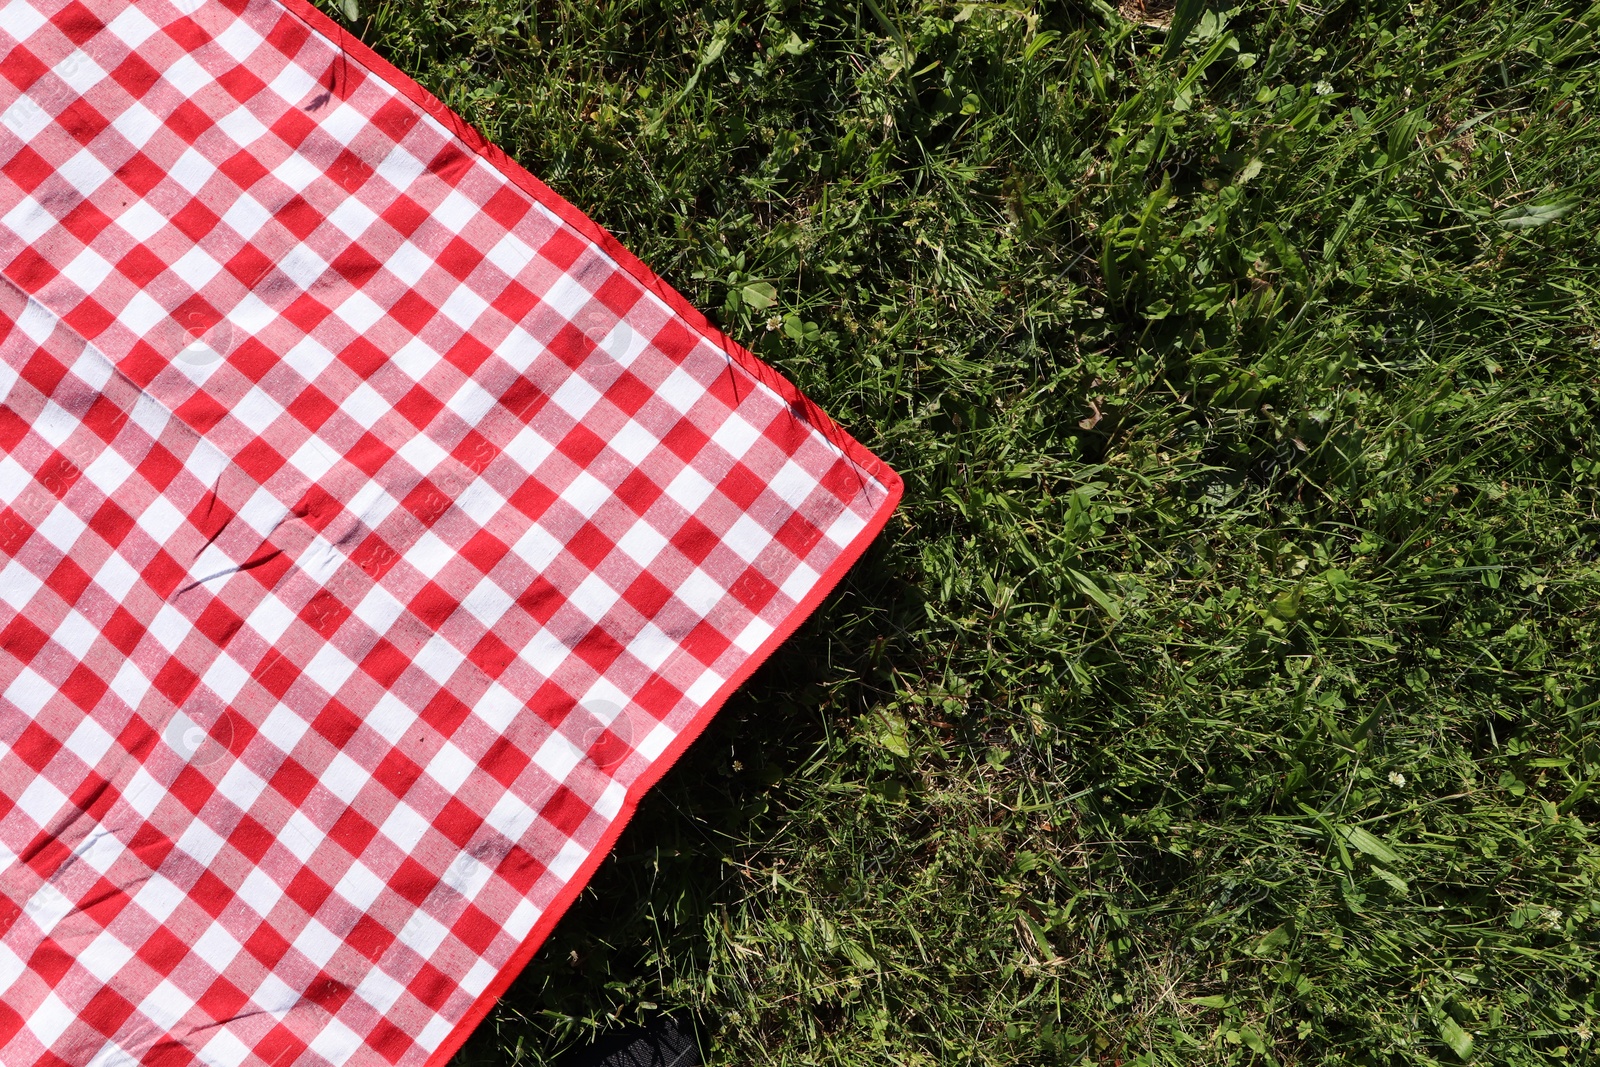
[[375, 530]]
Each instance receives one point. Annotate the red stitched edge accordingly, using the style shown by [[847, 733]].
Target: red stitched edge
[[812, 414]]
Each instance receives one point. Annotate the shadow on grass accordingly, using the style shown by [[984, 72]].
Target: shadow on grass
[[616, 956]]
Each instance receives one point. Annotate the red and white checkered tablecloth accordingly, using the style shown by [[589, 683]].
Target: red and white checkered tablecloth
[[375, 531]]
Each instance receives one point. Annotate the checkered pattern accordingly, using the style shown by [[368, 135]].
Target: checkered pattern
[[374, 531]]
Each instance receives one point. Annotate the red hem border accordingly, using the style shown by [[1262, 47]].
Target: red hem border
[[812, 414]]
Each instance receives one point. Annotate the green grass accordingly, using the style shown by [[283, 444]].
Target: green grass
[[1225, 690]]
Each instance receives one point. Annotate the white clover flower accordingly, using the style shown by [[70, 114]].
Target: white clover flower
[[1397, 779]]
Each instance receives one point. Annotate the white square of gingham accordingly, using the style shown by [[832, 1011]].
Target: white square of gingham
[[372, 531]]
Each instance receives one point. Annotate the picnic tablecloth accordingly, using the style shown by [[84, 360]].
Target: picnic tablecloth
[[375, 531]]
